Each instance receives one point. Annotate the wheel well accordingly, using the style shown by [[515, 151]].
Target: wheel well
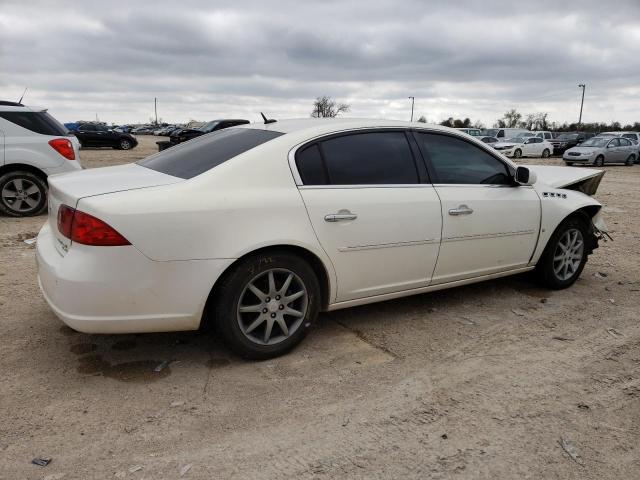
[[312, 259], [15, 167]]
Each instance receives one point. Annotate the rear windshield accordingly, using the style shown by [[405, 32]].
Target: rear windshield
[[191, 158], [37, 122]]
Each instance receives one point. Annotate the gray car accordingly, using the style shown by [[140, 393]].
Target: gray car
[[600, 150]]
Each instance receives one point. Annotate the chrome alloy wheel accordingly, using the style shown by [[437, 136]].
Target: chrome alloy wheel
[[272, 306], [21, 195], [568, 254]]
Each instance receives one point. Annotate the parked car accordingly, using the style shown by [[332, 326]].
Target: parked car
[[259, 227], [601, 150], [544, 134], [33, 145], [123, 128], [165, 131], [504, 133], [527, 146], [474, 132], [184, 134], [565, 141], [96, 135], [490, 140], [146, 130], [633, 136]]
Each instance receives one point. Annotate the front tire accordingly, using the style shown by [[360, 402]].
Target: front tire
[[565, 255], [125, 144], [630, 161], [599, 161], [569, 164], [266, 304], [22, 194]]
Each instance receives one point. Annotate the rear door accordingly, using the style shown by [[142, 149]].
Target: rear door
[[372, 210], [88, 135], [489, 224]]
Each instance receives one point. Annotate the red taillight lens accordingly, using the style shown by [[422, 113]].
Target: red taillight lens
[[86, 229], [64, 147], [65, 219]]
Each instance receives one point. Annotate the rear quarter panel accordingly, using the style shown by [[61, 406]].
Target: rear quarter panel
[[244, 204]]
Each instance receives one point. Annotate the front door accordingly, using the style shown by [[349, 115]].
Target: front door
[[489, 225], [532, 147], [372, 213]]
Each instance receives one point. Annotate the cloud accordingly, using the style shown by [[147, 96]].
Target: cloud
[[208, 60]]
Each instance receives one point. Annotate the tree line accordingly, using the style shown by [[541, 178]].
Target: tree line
[[327, 107]]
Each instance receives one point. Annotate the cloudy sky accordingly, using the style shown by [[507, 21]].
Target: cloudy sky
[[211, 59]]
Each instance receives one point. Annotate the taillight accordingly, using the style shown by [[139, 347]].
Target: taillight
[[64, 147], [86, 229], [65, 218]]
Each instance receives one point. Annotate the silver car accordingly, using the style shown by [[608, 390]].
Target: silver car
[[600, 150]]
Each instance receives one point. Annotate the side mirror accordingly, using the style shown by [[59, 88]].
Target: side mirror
[[524, 176]]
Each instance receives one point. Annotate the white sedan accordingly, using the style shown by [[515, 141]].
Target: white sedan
[[525, 146], [259, 227]]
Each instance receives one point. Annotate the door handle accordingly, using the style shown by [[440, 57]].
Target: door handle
[[461, 210], [342, 215]]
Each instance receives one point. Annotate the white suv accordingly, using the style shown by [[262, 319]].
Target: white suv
[[33, 145]]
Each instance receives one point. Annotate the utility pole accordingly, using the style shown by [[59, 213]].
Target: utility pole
[[582, 85], [155, 107], [412, 100]]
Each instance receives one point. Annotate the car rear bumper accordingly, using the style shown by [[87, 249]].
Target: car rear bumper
[[119, 290]]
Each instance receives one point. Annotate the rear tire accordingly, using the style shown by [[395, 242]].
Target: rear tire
[[565, 255], [517, 153], [22, 194], [546, 153], [599, 161], [266, 304], [630, 161]]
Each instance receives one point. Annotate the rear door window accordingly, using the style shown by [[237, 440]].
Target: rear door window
[[188, 159], [37, 122], [369, 158]]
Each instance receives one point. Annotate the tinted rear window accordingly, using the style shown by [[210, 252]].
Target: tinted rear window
[[369, 158], [37, 122], [191, 158]]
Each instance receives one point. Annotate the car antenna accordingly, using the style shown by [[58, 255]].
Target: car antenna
[[25, 91], [267, 120]]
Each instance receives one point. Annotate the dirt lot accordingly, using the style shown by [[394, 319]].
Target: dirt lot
[[484, 381]]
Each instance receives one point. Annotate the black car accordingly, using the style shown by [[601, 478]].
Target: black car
[[565, 141], [93, 135], [184, 134]]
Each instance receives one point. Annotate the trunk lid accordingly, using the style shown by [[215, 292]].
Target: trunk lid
[[69, 188]]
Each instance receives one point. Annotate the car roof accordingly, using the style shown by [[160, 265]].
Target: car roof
[[319, 126], [18, 107]]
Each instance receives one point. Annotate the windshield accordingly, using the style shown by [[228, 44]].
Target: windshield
[[208, 127], [595, 142], [568, 136]]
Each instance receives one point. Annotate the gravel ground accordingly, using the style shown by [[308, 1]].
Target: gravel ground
[[497, 380]]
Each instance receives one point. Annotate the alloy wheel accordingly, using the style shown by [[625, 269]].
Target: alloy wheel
[[125, 144], [568, 254], [272, 306], [21, 195]]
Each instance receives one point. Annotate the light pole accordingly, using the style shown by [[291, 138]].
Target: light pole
[[412, 100], [582, 85]]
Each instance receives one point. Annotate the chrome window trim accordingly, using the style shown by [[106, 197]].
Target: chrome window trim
[[291, 156]]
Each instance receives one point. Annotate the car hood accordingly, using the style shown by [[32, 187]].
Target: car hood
[[505, 144], [584, 149], [584, 180]]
